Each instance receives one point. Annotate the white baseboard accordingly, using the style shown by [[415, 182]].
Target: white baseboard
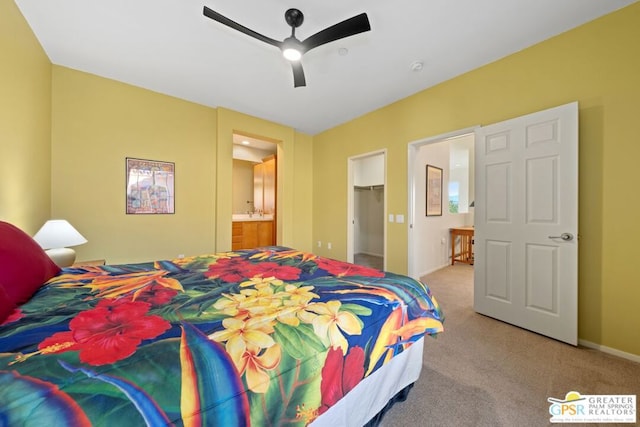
[[609, 350], [367, 253], [424, 273]]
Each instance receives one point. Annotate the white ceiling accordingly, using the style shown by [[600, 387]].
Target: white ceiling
[[168, 46], [256, 143]]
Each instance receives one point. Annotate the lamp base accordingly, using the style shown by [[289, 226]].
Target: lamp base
[[63, 257]]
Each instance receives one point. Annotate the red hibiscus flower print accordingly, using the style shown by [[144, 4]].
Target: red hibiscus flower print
[[272, 269], [110, 332], [155, 295], [340, 269], [237, 269], [229, 269], [340, 375]]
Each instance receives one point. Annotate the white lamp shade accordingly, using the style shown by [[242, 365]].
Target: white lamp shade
[[58, 233]]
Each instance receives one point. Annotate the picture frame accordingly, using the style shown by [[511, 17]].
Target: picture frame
[[150, 186], [434, 191]]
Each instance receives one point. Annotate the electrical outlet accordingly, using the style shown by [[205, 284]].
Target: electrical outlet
[[319, 244], [329, 245], [180, 256]]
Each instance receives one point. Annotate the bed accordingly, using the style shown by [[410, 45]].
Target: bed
[[266, 337]]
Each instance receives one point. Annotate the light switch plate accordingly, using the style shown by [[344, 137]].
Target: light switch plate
[[391, 218], [399, 218]]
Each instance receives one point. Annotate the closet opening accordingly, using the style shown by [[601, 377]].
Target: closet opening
[[366, 228]]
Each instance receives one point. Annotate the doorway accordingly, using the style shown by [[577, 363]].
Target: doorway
[[366, 227], [429, 236], [525, 256], [254, 192]]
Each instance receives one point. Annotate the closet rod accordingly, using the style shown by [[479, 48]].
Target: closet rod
[[368, 187]]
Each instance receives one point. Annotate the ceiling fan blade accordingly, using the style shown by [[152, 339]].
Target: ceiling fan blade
[[298, 74], [356, 25], [232, 24]]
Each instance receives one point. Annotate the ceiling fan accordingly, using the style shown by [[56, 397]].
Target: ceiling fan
[[292, 48]]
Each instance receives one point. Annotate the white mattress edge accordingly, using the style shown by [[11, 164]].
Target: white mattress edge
[[368, 398]]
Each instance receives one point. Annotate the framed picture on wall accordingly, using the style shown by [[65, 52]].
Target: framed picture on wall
[[434, 191], [150, 186]]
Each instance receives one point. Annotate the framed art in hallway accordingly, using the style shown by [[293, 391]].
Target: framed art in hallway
[[434, 191], [150, 186]]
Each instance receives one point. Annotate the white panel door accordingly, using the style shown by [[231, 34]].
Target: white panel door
[[526, 222]]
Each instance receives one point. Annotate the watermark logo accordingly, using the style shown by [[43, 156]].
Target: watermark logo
[[595, 408]]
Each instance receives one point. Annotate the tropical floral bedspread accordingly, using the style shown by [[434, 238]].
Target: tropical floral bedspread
[[267, 337]]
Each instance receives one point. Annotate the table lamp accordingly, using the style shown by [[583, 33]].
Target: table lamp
[[55, 237]]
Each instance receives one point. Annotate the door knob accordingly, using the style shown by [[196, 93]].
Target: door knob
[[564, 236]]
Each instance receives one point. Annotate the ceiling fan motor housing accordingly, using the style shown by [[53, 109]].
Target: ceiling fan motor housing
[[294, 17]]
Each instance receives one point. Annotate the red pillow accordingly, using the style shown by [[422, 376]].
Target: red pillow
[[6, 305], [24, 265]]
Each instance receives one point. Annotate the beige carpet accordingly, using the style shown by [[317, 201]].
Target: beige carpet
[[369, 260], [482, 372]]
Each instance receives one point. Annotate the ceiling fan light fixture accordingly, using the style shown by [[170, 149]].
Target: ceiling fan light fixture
[[292, 54], [291, 49]]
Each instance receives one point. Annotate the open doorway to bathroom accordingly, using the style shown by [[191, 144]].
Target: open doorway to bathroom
[[254, 195], [366, 242]]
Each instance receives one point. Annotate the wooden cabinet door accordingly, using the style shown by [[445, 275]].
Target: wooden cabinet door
[[265, 233], [249, 234], [269, 185], [252, 234], [236, 236]]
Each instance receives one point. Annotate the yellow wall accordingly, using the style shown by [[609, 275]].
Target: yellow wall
[[25, 123], [300, 185], [597, 65], [97, 123]]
